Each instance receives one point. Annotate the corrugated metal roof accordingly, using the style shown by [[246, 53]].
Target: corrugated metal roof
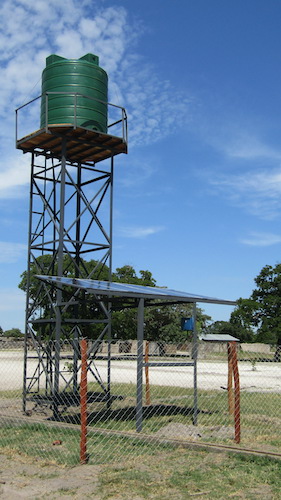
[[219, 337], [113, 289]]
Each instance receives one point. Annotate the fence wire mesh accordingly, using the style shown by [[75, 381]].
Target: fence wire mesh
[[47, 425]]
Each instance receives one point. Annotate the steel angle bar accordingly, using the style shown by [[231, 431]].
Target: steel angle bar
[[101, 263], [53, 215], [31, 308], [90, 360], [94, 247], [40, 358], [45, 169], [79, 189], [168, 363], [91, 211], [41, 220], [103, 189], [85, 321], [96, 179], [96, 375], [94, 348], [71, 195], [102, 306], [93, 169]]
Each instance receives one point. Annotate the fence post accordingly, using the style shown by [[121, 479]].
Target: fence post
[[237, 427], [83, 402], [229, 381], [147, 386]]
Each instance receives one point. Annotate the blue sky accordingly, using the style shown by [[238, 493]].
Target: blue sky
[[197, 200]]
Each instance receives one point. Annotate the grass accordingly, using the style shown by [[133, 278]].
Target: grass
[[242, 356], [182, 474], [163, 474], [37, 440], [260, 418], [260, 424]]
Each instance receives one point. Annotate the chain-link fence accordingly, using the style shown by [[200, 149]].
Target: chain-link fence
[[103, 417]]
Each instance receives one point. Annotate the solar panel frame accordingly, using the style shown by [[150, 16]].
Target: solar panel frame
[[130, 290]]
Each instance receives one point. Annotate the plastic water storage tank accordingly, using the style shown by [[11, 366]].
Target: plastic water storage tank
[[83, 76]]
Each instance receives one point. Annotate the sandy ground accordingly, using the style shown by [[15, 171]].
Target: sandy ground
[[265, 377], [23, 477]]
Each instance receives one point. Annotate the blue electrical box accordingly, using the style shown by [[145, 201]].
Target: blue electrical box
[[187, 324]]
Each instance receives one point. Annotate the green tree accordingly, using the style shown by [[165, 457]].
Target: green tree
[[232, 327], [46, 265], [261, 313], [1, 331], [267, 317], [127, 274], [124, 322], [13, 332]]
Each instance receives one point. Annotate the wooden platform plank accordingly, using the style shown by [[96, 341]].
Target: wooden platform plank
[[82, 144]]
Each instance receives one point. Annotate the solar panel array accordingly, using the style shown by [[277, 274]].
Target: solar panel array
[[114, 289]]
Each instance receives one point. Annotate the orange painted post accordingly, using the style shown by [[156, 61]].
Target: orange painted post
[[147, 386], [229, 381], [237, 423], [83, 402]]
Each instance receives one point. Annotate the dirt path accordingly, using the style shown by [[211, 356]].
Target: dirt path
[[23, 477], [265, 377]]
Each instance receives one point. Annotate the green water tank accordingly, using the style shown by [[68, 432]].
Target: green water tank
[[83, 76]]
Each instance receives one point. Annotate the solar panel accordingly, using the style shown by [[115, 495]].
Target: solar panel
[[113, 289]]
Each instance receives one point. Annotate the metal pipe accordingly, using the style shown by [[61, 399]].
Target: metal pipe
[[146, 365], [109, 334], [27, 287], [60, 273], [83, 402]]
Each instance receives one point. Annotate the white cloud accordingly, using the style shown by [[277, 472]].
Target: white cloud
[[15, 173], [262, 239], [139, 232], [155, 108], [11, 252], [31, 31], [245, 146], [258, 192]]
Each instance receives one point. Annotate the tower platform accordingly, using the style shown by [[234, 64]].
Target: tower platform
[[83, 145]]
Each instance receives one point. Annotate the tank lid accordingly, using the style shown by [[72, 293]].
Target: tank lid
[[53, 58]]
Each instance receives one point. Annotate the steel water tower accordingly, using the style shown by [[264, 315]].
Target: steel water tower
[[70, 219]]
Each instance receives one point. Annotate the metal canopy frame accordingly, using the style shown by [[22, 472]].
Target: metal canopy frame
[[141, 297], [116, 290]]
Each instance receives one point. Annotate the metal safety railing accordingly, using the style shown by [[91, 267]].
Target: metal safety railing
[[121, 120]]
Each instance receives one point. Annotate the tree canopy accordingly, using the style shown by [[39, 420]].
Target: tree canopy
[[13, 332], [259, 316]]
